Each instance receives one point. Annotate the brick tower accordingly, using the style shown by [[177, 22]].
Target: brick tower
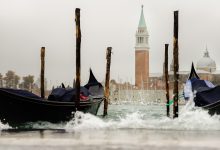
[[142, 54]]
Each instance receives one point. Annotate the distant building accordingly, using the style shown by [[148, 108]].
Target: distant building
[[206, 63], [206, 66], [141, 53]]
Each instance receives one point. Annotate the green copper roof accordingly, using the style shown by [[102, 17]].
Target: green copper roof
[[142, 20]]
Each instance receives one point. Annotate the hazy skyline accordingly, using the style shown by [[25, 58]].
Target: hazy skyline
[[27, 25]]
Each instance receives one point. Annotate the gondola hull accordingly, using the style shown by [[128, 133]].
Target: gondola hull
[[15, 109], [213, 108]]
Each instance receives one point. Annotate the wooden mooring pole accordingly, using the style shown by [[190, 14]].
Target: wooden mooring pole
[[78, 47], [42, 72], [176, 65], [107, 78], [167, 79]]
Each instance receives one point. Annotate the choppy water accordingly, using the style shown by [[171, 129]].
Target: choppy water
[[128, 126]]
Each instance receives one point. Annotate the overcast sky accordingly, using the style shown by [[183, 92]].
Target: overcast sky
[[27, 25]]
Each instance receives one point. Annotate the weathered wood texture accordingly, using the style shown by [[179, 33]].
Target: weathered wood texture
[[78, 60], [166, 75], [107, 78], [176, 65], [42, 90]]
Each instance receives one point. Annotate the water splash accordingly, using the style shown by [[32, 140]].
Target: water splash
[[190, 118], [4, 126], [87, 121], [42, 125], [136, 116]]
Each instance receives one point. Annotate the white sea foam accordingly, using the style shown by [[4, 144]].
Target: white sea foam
[[43, 125], [190, 118], [4, 126], [136, 116]]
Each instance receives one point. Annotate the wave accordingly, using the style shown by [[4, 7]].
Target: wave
[[4, 126], [190, 118], [138, 116]]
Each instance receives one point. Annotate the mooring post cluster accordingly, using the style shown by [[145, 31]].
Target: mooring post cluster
[[78, 61], [175, 70]]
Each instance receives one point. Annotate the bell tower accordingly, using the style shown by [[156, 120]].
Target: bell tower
[[142, 54]]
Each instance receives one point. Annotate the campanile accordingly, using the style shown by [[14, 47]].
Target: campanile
[[142, 54]]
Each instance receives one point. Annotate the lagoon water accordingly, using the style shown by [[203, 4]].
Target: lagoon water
[[129, 126]]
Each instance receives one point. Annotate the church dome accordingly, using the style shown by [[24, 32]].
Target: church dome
[[206, 63]]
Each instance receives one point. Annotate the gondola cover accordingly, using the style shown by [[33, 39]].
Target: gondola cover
[[206, 95]]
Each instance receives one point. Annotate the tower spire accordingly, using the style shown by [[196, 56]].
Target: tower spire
[[206, 53], [142, 23], [142, 33]]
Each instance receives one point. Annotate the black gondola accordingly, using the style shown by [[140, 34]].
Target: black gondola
[[205, 96], [21, 106]]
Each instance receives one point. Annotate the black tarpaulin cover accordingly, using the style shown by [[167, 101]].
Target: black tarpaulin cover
[[93, 88], [23, 93], [66, 95], [207, 97], [199, 85]]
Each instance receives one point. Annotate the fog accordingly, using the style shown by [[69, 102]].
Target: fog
[[27, 25]]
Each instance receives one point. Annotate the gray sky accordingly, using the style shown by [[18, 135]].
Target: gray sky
[[27, 25]]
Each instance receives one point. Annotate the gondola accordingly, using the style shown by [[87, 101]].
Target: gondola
[[205, 96], [20, 106]]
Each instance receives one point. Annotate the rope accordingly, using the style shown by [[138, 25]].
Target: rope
[[172, 100]]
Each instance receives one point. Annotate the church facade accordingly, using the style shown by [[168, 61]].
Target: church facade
[[205, 68]]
